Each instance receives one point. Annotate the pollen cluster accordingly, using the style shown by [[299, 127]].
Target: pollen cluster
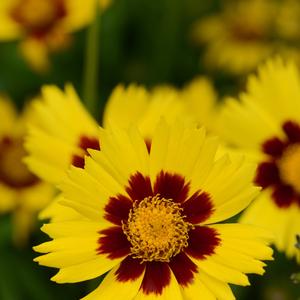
[[156, 229], [289, 166]]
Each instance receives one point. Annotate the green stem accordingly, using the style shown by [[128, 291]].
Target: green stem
[[91, 69]]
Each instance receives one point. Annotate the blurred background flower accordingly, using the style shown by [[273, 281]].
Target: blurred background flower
[[264, 124], [21, 193], [246, 32], [44, 26]]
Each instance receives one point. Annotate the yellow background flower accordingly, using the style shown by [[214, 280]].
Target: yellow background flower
[[21, 193], [266, 125], [63, 130], [245, 33], [43, 26]]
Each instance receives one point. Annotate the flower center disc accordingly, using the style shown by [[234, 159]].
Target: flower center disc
[[13, 171], [38, 16], [156, 229], [289, 166]]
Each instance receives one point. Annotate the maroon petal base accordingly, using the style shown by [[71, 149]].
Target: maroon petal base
[[117, 209], [113, 242], [202, 242], [156, 278], [267, 174], [183, 269], [171, 186], [85, 142], [198, 208], [274, 147], [130, 269], [148, 143], [139, 187], [292, 130], [283, 195]]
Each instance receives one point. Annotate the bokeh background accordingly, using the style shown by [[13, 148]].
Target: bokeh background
[[143, 41]]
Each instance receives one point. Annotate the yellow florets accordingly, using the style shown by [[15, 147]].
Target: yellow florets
[[156, 229]]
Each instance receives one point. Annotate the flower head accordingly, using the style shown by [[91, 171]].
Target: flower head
[[245, 33], [62, 123], [21, 192], [60, 133], [43, 26], [150, 218], [63, 130], [266, 124]]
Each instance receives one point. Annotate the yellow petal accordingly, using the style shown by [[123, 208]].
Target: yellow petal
[[125, 106], [8, 199], [59, 213], [111, 288], [221, 272], [197, 288], [85, 271], [221, 290], [73, 228], [36, 54], [9, 29]]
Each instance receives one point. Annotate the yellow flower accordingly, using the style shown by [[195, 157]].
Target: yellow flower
[[21, 193], [150, 218], [196, 101], [201, 101], [43, 26], [136, 105], [60, 133], [245, 33], [266, 124], [63, 126]]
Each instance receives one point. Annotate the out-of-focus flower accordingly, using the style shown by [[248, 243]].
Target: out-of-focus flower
[[201, 101], [150, 218], [21, 192], [43, 26], [266, 124], [60, 133], [136, 105], [63, 130], [197, 101], [104, 3], [246, 32]]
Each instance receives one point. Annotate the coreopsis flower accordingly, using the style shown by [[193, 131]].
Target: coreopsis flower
[[21, 193], [62, 125], [151, 220], [136, 105], [266, 124], [197, 101], [43, 26], [246, 32], [201, 101]]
